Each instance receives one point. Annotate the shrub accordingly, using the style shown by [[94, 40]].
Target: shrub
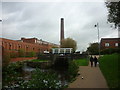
[[110, 51], [11, 73], [43, 80], [5, 57], [12, 77], [21, 53], [72, 70], [30, 54], [14, 54]]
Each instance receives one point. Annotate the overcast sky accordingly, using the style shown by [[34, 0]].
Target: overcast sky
[[42, 20]]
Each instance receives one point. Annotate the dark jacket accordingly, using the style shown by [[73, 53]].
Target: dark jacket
[[95, 60], [91, 59]]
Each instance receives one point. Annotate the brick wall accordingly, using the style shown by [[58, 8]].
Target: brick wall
[[31, 40], [110, 41], [12, 45]]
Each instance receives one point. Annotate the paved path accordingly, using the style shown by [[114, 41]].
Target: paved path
[[92, 78]]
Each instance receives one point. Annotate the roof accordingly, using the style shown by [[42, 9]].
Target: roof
[[110, 39]]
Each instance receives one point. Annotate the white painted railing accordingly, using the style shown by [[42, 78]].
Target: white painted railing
[[61, 50]]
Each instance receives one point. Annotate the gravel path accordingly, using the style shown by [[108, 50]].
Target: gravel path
[[92, 78]]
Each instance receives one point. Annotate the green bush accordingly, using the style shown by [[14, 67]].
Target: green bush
[[5, 58], [14, 54], [110, 51], [72, 70], [12, 76], [43, 80], [30, 54], [11, 73], [21, 53]]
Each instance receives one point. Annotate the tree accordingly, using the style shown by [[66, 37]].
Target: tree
[[69, 43], [21, 53], [114, 12], [93, 48]]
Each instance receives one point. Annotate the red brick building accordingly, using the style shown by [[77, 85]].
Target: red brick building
[[27, 44], [109, 43]]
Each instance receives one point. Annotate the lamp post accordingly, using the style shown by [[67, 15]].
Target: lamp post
[[119, 30], [97, 25]]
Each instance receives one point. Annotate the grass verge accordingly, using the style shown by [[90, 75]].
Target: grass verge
[[109, 68], [37, 60], [82, 62]]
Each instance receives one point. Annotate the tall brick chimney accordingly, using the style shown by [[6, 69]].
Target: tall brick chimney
[[62, 30]]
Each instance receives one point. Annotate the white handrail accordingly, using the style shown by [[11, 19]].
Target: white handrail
[[59, 50]]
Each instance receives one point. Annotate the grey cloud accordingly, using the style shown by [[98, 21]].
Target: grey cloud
[[42, 20], [11, 7]]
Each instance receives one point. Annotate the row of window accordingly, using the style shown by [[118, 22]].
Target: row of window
[[20, 47], [108, 44]]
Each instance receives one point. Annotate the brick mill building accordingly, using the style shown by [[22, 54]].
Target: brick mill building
[[109, 43], [27, 44], [30, 44]]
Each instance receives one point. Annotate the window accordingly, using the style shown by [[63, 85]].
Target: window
[[10, 46], [107, 44], [55, 50], [26, 48], [19, 46], [116, 44], [67, 50]]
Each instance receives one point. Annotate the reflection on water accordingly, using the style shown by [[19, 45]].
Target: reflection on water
[[27, 68], [27, 71]]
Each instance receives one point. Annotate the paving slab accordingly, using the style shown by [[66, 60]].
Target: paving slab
[[92, 78]]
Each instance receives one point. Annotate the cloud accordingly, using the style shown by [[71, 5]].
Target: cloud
[[42, 20]]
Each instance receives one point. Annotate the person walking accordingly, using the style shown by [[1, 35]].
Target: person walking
[[95, 61], [91, 61]]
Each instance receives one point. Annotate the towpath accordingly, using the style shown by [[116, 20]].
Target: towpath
[[92, 78]]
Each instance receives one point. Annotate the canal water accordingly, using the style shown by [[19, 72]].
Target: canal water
[[61, 72], [27, 70]]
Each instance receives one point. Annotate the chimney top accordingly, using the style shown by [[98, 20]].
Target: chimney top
[[22, 38], [62, 18]]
